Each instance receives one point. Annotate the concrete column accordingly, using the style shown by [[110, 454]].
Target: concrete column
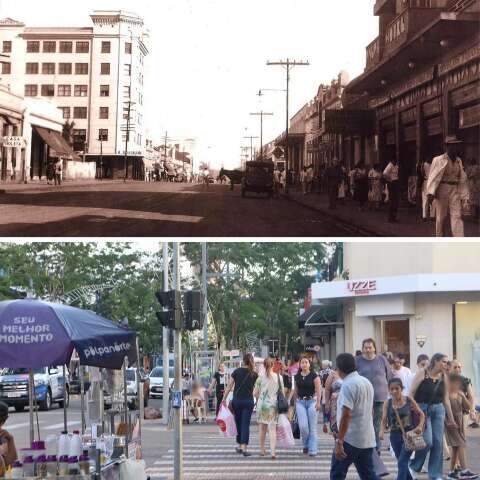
[[339, 341]]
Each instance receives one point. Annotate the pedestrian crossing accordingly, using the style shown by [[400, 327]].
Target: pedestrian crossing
[[213, 457]]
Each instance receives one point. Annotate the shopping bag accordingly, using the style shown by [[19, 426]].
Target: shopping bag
[[284, 432], [226, 422]]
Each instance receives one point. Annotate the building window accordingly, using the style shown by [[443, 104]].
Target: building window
[[33, 47], [80, 112], [105, 69], [128, 48], [81, 90], [103, 135], [83, 47], [66, 47], [6, 68], [128, 69], [81, 69], [7, 46], [31, 90], [104, 90], [64, 90], [104, 113], [65, 112], [106, 47], [79, 139], [48, 90], [48, 68], [31, 68], [126, 91], [65, 68], [49, 47]]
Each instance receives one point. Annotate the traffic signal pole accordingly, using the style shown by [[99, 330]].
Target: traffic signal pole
[[166, 361], [178, 427]]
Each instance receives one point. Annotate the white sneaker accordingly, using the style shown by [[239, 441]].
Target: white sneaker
[[413, 473]]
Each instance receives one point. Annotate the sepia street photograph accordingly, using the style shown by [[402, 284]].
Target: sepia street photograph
[[182, 118]]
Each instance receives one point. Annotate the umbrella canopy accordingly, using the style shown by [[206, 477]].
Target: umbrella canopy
[[35, 333]]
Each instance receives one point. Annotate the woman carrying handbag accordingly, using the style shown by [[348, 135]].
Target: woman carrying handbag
[[405, 437]]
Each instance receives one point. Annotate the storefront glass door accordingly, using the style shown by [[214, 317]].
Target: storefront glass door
[[396, 338]]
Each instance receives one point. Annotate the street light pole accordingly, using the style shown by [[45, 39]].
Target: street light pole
[[288, 64], [178, 427], [204, 289], [261, 114], [165, 349]]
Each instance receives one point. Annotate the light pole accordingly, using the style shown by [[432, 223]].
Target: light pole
[[261, 114], [288, 64]]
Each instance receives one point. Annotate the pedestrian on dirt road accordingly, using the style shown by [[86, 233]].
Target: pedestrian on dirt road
[[242, 383], [391, 176], [58, 171]]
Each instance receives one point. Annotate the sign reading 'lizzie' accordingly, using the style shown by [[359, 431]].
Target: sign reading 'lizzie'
[[362, 287]]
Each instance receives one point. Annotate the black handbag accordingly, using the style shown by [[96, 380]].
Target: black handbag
[[282, 402], [295, 428]]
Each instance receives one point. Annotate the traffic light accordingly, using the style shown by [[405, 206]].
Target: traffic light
[[171, 316], [193, 310]]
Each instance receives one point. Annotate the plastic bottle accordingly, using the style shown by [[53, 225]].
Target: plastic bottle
[[17, 470], [41, 466], [28, 467], [52, 466], [84, 463], [63, 444], [73, 467], [75, 449], [63, 465]]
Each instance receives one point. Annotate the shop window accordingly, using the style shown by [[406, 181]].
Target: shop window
[[48, 68], [48, 90], [65, 68], [33, 47], [81, 69], [31, 68], [66, 47], [49, 47], [31, 90], [83, 47], [106, 47], [7, 46], [396, 337]]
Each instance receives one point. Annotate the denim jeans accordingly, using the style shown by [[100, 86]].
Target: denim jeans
[[307, 421], [360, 457], [433, 435], [243, 413], [377, 421], [403, 456]]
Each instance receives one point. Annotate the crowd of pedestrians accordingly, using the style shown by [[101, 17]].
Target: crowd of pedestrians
[[364, 400]]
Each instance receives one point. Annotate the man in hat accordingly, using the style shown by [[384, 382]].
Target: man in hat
[[447, 185]]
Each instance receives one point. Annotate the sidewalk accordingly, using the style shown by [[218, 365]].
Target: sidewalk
[[409, 223]]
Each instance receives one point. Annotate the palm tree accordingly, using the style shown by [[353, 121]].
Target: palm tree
[[67, 132]]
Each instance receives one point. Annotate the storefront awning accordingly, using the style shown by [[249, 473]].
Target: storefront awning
[[321, 315], [55, 141], [350, 122]]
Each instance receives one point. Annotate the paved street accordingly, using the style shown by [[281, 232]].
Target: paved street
[[115, 209]]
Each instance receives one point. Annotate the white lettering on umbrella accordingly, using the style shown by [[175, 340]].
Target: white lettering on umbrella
[[27, 339], [101, 351]]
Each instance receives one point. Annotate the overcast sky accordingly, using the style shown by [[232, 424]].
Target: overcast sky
[[208, 59]]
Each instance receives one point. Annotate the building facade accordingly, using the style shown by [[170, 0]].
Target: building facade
[[411, 298], [94, 75], [421, 82]]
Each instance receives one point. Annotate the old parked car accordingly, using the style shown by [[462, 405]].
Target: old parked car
[[258, 178]]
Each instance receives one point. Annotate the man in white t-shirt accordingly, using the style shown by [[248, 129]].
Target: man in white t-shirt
[[402, 372]]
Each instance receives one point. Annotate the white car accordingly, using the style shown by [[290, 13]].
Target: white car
[[156, 381]]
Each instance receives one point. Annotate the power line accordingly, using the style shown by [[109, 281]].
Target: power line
[[261, 114]]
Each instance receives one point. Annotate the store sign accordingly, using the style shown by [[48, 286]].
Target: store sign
[[469, 117], [14, 142], [349, 122], [363, 287], [231, 353], [313, 348], [455, 62], [413, 82]]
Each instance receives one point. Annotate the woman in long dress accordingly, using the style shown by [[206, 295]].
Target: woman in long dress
[[266, 390]]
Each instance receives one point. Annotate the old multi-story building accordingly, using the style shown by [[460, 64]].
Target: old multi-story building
[[94, 75], [421, 82]]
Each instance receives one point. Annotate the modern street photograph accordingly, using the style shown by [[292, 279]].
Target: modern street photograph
[[220, 118], [241, 361]]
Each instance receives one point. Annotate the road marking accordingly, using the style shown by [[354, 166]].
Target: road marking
[[60, 425], [20, 425]]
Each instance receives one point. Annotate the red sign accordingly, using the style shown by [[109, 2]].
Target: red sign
[[363, 287]]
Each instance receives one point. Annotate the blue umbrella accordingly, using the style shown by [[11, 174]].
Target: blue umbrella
[[35, 333]]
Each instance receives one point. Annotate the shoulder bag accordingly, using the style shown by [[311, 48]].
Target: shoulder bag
[[282, 402], [413, 441]]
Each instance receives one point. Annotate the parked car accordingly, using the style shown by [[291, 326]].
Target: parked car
[[156, 381], [50, 387], [132, 394], [258, 178]]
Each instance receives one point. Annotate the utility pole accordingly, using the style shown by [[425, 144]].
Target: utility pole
[[178, 427], [165, 350], [251, 146], [261, 114], [288, 64], [204, 290]]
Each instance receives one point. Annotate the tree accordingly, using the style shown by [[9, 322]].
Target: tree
[[67, 132]]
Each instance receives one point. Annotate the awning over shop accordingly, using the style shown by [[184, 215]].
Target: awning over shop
[[56, 142], [321, 315], [293, 139], [350, 122]]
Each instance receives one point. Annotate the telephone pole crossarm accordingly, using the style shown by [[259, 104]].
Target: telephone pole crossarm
[[261, 114]]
